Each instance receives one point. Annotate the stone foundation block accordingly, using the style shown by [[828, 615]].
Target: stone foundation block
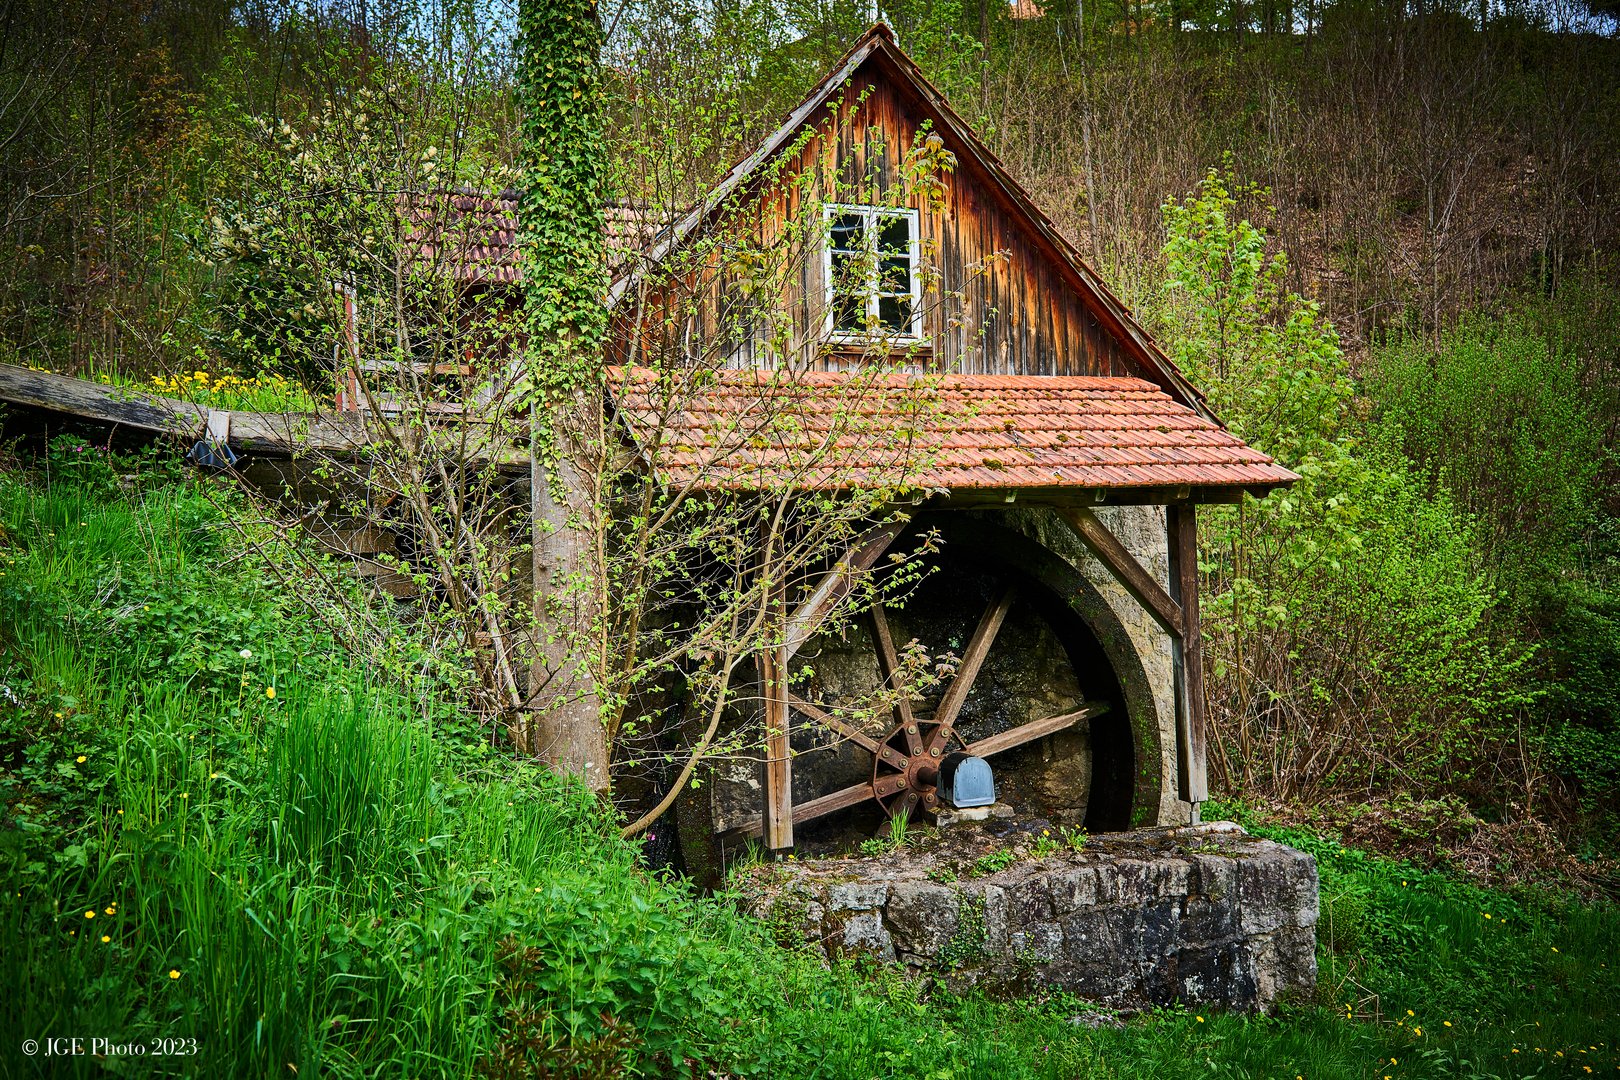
[[1204, 915]]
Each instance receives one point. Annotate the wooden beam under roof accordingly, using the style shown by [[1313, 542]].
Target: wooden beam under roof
[[1126, 569]]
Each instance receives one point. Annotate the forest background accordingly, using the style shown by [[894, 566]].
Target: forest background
[[1381, 236]]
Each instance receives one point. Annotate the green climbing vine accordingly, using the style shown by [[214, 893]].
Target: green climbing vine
[[560, 210]]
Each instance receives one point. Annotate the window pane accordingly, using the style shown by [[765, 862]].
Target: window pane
[[894, 235], [846, 232], [849, 313], [896, 276], [846, 273], [895, 313]]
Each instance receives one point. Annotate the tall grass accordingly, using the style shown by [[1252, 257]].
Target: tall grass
[[293, 880], [315, 884]]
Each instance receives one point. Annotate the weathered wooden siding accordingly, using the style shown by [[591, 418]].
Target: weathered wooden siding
[[1018, 312]]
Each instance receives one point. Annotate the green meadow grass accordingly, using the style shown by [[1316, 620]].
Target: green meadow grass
[[323, 883]]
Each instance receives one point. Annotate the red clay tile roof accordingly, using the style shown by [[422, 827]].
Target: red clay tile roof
[[737, 430], [474, 236]]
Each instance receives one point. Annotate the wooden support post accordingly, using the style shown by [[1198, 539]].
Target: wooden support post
[[1192, 780], [778, 816]]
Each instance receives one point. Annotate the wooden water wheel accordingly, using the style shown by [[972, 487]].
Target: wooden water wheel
[[906, 758], [1005, 685]]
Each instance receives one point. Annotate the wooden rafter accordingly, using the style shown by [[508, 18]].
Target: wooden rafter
[[1177, 611]]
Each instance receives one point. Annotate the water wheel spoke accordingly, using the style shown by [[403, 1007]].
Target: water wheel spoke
[[1035, 729], [889, 664], [849, 731], [978, 647], [821, 807], [841, 798]]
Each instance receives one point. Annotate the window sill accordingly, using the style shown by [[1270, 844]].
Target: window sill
[[860, 346]]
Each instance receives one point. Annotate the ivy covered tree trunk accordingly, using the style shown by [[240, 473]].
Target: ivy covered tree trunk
[[565, 281]]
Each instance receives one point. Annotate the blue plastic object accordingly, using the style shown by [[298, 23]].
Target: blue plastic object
[[212, 455], [965, 780]]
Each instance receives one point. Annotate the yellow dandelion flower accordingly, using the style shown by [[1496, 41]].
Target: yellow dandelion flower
[[269, 691], [173, 973], [1200, 1019], [106, 938], [90, 914], [1446, 1022], [1417, 1031], [1409, 1012], [82, 759], [111, 911]]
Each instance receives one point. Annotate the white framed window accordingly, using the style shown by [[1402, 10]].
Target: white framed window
[[871, 273]]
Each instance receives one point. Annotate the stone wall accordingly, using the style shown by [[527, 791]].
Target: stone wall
[[1205, 915]]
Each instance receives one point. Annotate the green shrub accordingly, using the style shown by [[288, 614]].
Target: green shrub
[[1581, 633], [1501, 414]]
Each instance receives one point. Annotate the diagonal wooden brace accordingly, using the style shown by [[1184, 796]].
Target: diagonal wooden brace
[[1123, 565], [836, 584]]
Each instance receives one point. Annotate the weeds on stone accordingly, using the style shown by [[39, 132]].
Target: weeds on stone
[[899, 835], [994, 862]]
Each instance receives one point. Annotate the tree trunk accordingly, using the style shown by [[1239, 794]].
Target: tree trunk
[[564, 260], [566, 728]]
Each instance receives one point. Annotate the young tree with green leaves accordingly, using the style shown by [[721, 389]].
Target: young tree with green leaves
[[606, 593], [1348, 620]]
